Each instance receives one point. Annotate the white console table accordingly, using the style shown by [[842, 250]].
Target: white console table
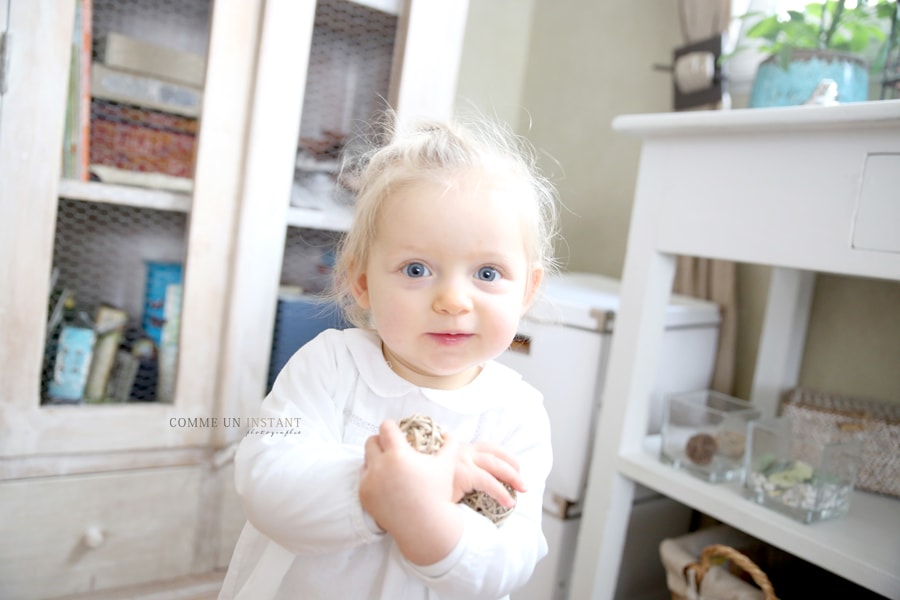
[[801, 189]]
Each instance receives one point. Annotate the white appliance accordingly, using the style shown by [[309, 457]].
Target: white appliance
[[562, 349]]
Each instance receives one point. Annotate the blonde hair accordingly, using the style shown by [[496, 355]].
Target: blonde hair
[[439, 151]]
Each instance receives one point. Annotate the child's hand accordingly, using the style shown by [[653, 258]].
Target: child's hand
[[396, 480], [410, 495], [484, 467]]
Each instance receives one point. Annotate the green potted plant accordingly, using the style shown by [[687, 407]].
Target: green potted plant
[[833, 41]]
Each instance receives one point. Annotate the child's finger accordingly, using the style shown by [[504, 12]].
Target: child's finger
[[498, 452], [390, 436], [496, 490], [501, 471], [373, 445]]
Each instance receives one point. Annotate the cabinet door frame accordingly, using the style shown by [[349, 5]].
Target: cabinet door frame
[[287, 29], [30, 150]]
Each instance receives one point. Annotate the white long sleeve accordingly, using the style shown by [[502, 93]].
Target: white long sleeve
[[299, 482]]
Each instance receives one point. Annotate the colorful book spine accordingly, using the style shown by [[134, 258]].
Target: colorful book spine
[[125, 52], [78, 108], [160, 275], [119, 85], [137, 139], [84, 78]]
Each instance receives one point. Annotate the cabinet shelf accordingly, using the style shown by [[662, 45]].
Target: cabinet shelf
[[391, 7], [863, 546], [335, 218], [123, 195]]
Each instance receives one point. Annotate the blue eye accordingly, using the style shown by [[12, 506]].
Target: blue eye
[[487, 274], [416, 269]]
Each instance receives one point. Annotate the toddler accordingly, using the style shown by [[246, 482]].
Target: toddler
[[452, 235]]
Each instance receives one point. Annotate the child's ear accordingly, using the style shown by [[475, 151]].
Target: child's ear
[[535, 277], [359, 285]]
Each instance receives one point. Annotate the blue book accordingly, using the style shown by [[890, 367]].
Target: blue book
[[298, 319], [72, 364]]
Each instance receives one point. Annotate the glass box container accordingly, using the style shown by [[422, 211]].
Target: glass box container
[[704, 433], [800, 472]]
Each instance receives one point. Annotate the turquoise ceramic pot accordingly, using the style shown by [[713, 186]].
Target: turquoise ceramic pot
[[775, 86]]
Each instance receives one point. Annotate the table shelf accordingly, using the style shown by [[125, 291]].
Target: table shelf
[[863, 546]]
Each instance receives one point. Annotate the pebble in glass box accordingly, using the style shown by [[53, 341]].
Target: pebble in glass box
[[704, 433]]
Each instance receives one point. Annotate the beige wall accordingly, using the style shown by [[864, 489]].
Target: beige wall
[[562, 82], [494, 59], [585, 66]]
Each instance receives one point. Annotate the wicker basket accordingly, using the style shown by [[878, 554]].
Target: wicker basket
[[695, 573], [876, 421], [682, 558]]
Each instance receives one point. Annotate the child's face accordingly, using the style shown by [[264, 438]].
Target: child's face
[[447, 280]]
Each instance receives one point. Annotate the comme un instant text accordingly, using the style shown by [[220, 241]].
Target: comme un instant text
[[252, 422]]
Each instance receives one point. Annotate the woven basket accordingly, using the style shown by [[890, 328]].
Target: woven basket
[[696, 571], [426, 436], [877, 422]]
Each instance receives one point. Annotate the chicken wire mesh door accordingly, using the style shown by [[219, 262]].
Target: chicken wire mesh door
[[347, 91], [133, 109], [347, 87]]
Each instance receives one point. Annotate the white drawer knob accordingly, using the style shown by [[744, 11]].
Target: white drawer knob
[[93, 537]]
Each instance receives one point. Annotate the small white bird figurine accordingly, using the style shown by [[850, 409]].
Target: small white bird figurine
[[825, 94]]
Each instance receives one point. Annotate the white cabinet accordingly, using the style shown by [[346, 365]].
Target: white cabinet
[[147, 485], [421, 83], [193, 226], [792, 188]]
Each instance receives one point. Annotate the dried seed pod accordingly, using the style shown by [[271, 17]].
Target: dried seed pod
[[426, 436], [731, 443], [700, 448]]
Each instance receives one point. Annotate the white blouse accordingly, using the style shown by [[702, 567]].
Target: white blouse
[[297, 473]]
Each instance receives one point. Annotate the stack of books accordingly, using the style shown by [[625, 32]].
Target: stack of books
[[145, 102], [133, 110]]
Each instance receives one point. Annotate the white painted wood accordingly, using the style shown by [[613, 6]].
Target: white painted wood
[[42, 431], [863, 546], [56, 430], [781, 342], [124, 195], [286, 34], [192, 587], [27, 467], [216, 212], [338, 219], [232, 519], [640, 323], [781, 120], [765, 186], [30, 161], [426, 59], [82, 533], [877, 209], [391, 7], [775, 206]]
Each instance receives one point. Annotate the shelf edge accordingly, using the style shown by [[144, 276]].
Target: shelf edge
[[319, 219], [123, 195]]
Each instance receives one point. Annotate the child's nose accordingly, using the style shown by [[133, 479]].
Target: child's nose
[[452, 298]]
